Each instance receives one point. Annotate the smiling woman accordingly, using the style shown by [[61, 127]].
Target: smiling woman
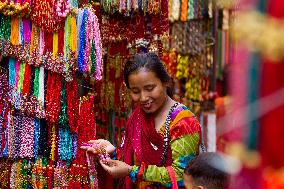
[[161, 135]]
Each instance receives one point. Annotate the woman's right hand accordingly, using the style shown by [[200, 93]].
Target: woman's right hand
[[102, 143]]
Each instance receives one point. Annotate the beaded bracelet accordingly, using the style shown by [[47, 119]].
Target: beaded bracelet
[[133, 173], [141, 171]]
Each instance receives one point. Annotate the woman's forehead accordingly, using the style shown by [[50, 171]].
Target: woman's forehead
[[143, 77]]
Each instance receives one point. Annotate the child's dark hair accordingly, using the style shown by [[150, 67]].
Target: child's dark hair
[[209, 170], [151, 62]]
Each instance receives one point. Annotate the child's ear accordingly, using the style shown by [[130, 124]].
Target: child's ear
[[200, 187]]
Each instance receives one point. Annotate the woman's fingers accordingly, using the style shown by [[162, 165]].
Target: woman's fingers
[[84, 147], [116, 168], [95, 141], [109, 163], [88, 149], [106, 167], [98, 141], [92, 150]]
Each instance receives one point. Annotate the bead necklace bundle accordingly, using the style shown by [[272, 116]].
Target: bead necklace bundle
[[61, 174], [70, 45], [27, 138], [86, 122], [5, 29], [197, 85], [45, 16], [65, 146], [183, 70], [20, 52], [43, 151], [62, 8], [36, 137], [4, 113], [38, 173], [89, 41], [10, 136], [86, 132], [3, 4], [63, 119], [73, 5], [149, 28], [15, 174], [188, 38], [21, 137], [28, 105], [185, 10], [27, 81], [170, 60], [35, 82], [5, 172], [53, 98], [65, 143], [25, 174], [63, 62], [128, 6], [82, 17], [18, 8], [4, 86], [41, 49], [72, 105], [102, 155], [15, 30]]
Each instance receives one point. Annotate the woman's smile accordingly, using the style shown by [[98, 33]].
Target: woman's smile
[[147, 105]]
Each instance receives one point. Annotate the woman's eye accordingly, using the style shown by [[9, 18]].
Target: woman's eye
[[135, 91], [149, 88]]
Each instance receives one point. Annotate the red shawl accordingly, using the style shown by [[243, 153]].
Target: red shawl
[[140, 133]]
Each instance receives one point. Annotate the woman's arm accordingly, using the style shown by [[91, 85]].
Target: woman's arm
[[185, 138]]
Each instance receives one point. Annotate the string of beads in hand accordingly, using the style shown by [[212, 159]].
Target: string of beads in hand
[[100, 151]]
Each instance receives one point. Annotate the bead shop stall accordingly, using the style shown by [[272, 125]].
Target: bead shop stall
[[61, 79]]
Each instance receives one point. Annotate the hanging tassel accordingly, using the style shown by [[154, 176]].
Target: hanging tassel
[[12, 72], [21, 77], [17, 66], [41, 85], [73, 35], [55, 44], [15, 24], [49, 174]]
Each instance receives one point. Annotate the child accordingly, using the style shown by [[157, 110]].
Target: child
[[206, 171]]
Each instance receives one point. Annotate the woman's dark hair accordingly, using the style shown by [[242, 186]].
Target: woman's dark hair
[[208, 169], [151, 62]]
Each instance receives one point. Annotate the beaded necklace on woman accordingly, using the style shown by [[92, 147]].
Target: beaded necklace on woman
[[166, 135]]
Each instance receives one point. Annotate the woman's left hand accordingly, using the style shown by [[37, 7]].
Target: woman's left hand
[[116, 168]]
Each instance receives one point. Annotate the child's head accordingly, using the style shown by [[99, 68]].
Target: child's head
[[206, 171]]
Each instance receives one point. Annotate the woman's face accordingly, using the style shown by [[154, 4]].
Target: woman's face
[[147, 90]]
